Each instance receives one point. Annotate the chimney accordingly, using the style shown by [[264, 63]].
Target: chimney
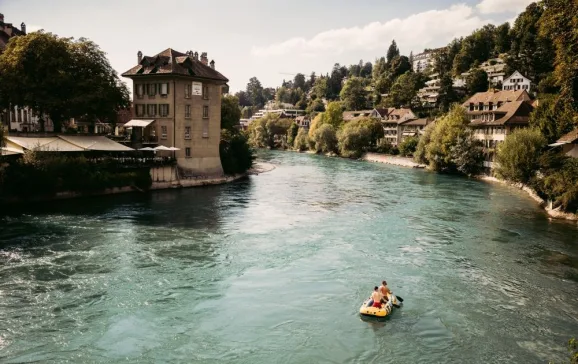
[[139, 57], [204, 59], [213, 64], [1, 17], [23, 27]]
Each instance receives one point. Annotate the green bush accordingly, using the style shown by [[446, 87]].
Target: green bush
[[292, 134], [302, 142], [268, 131], [517, 157], [558, 180], [353, 140], [236, 154], [325, 139], [408, 146]]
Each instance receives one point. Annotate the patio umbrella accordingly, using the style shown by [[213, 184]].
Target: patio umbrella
[[162, 147], [173, 149], [147, 148]]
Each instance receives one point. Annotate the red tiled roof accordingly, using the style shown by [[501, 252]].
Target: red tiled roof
[[571, 137], [171, 62], [517, 112]]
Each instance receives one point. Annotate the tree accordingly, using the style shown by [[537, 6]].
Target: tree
[[243, 98], [399, 66], [353, 94], [517, 157], [236, 155], [559, 181], [269, 131], [392, 52], [420, 154], [246, 112], [408, 146], [301, 142], [477, 81], [404, 90], [299, 81], [447, 95], [446, 133], [468, 154], [353, 140], [230, 112], [315, 106], [477, 47], [61, 77], [255, 92], [292, 134], [502, 41], [319, 88], [325, 139], [334, 114], [334, 82], [283, 95], [552, 121], [366, 71]]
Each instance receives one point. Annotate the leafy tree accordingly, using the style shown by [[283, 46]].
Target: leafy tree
[[398, 66], [255, 93], [302, 103], [552, 121], [333, 115], [230, 112], [392, 52], [477, 47], [283, 95], [325, 139], [301, 142], [315, 106], [299, 81], [404, 90], [61, 77], [354, 70], [243, 98], [366, 70], [236, 155], [517, 157], [292, 134], [559, 181], [477, 81], [408, 146], [246, 112], [268, 130], [334, 82], [447, 95], [353, 94], [353, 140], [420, 154], [316, 123], [379, 68], [446, 134], [502, 40], [468, 154], [319, 88]]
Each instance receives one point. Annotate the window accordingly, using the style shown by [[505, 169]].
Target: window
[[187, 111], [25, 118], [151, 89], [205, 128], [164, 110], [188, 152], [139, 110], [163, 132], [140, 90], [164, 89], [205, 111], [187, 132], [19, 114], [152, 110], [188, 90], [205, 92]]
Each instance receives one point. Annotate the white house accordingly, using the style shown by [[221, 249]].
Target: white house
[[424, 60], [517, 81]]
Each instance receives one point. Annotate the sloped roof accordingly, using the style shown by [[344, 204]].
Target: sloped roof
[[497, 96], [418, 122], [571, 137], [517, 112], [98, 143], [171, 62], [49, 144], [350, 115]]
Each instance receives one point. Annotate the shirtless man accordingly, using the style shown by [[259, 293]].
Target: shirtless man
[[384, 290], [376, 297]]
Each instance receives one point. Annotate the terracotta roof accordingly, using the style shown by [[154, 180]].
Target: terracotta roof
[[571, 137], [383, 112], [350, 115], [517, 112], [497, 96], [418, 122], [171, 62]]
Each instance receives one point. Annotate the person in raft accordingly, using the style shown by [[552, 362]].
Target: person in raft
[[376, 297], [384, 290]]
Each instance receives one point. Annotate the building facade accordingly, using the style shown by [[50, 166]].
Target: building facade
[[177, 103], [425, 60], [496, 114], [568, 143], [391, 120], [517, 81]]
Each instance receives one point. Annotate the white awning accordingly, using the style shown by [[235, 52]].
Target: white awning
[[558, 144], [138, 123], [162, 147]]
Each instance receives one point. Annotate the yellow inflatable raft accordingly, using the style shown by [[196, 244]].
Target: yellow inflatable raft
[[384, 311]]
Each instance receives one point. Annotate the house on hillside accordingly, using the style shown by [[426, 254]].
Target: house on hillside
[[517, 81], [495, 114], [350, 115], [392, 124], [177, 103], [413, 128], [303, 121], [569, 143], [426, 59]]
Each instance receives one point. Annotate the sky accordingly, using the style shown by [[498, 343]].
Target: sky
[[268, 39]]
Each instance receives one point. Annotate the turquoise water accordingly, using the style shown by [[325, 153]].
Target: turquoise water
[[273, 269]]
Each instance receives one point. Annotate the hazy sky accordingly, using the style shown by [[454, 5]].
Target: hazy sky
[[258, 37]]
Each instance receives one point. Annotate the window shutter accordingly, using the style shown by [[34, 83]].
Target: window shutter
[[168, 88]]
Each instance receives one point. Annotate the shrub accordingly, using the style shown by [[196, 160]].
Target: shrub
[[292, 134], [383, 146], [236, 154], [269, 131], [517, 157], [420, 152], [302, 142], [468, 155], [353, 140], [558, 181], [408, 146], [325, 139]]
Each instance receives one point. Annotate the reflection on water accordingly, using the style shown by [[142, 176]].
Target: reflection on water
[[276, 266]]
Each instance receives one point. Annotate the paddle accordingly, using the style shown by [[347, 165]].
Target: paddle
[[399, 299]]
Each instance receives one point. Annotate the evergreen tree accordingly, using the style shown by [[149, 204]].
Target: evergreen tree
[[392, 52]]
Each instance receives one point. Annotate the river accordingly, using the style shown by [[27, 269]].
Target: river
[[273, 269]]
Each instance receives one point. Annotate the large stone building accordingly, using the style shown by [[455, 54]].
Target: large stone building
[[495, 114], [425, 60], [177, 103]]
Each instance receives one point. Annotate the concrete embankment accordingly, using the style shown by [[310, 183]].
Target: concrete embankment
[[390, 159], [553, 213]]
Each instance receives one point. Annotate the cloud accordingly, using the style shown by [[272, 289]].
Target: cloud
[[427, 29], [503, 6]]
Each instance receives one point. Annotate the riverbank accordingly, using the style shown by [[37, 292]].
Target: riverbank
[[390, 159], [553, 213]]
